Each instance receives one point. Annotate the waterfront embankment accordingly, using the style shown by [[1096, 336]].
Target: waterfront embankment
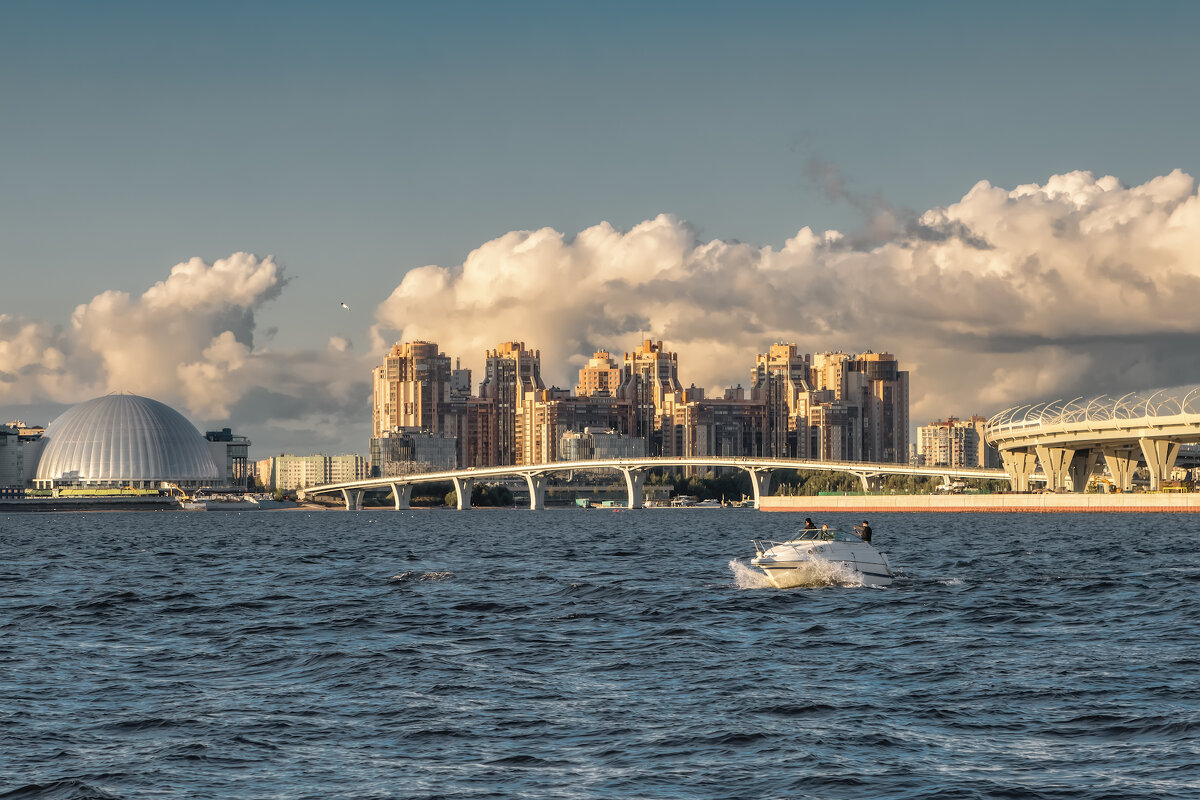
[[114, 503], [998, 503]]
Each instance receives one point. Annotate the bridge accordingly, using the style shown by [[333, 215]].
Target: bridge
[[634, 471], [1067, 438]]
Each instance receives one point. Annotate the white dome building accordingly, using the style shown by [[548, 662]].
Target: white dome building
[[124, 440]]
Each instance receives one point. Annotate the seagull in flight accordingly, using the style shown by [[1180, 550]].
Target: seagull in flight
[[345, 306]]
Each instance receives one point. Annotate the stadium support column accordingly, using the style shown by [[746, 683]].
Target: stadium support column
[[1160, 458], [635, 479], [1019, 464], [760, 482], [1122, 462], [1082, 467], [537, 491], [402, 493], [1056, 462], [462, 490]]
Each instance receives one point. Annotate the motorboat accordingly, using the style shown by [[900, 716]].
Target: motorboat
[[821, 556], [235, 502]]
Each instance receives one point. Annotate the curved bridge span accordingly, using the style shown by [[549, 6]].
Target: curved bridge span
[[634, 471], [1068, 437]]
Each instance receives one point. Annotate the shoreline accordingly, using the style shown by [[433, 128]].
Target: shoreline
[[1132, 503]]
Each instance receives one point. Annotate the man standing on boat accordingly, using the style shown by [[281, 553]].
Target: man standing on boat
[[863, 531]]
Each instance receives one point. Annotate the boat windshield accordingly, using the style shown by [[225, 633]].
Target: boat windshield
[[829, 535]]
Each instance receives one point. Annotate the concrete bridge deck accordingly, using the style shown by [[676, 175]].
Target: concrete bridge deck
[[634, 471]]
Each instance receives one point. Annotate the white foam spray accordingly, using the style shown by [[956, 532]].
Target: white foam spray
[[814, 574]]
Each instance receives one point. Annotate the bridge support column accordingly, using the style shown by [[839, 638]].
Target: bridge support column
[[462, 490], [760, 482], [1122, 462], [537, 491], [1160, 458], [1019, 464], [353, 498], [635, 479], [402, 494], [870, 482], [1056, 462], [1082, 467]]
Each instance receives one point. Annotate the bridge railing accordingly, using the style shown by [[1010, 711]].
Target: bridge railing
[[1103, 410]]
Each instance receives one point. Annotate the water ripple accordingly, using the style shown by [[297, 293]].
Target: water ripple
[[568, 654]]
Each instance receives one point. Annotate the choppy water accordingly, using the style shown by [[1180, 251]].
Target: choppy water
[[594, 655]]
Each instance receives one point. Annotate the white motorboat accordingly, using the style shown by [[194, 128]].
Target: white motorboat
[[820, 556], [238, 502]]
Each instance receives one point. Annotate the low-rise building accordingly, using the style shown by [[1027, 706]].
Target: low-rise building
[[287, 473], [232, 456]]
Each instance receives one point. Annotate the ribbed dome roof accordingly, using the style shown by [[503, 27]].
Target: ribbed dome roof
[[124, 438]]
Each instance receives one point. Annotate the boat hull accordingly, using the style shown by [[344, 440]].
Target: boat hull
[[824, 563]]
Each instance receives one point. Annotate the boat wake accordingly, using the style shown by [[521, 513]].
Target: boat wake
[[815, 574]]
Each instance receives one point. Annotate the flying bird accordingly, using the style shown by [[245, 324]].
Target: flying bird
[[345, 306]]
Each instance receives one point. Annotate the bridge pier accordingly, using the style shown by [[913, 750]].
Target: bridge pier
[[635, 479], [462, 490], [1019, 464], [402, 494], [871, 482], [760, 483], [1055, 463], [537, 491], [353, 499], [1082, 466], [1160, 458]]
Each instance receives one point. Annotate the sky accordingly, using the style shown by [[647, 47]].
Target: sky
[[1001, 195]]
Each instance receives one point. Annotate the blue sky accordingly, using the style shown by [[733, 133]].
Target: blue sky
[[357, 141]]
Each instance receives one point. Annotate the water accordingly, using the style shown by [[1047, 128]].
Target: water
[[593, 655]]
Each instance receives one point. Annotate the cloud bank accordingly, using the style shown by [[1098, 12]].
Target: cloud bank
[[189, 341], [1077, 286]]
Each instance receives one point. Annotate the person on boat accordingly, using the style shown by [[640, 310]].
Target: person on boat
[[863, 531], [809, 525]]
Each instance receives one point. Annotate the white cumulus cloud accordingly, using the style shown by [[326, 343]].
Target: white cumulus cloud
[[1076, 286], [188, 341]]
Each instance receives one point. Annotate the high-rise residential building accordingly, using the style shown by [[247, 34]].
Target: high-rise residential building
[[551, 413], [650, 382], [601, 376], [885, 407], [956, 443], [412, 389], [869, 397], [832, 406], [780, 382], [731, 426], [512, 374]]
